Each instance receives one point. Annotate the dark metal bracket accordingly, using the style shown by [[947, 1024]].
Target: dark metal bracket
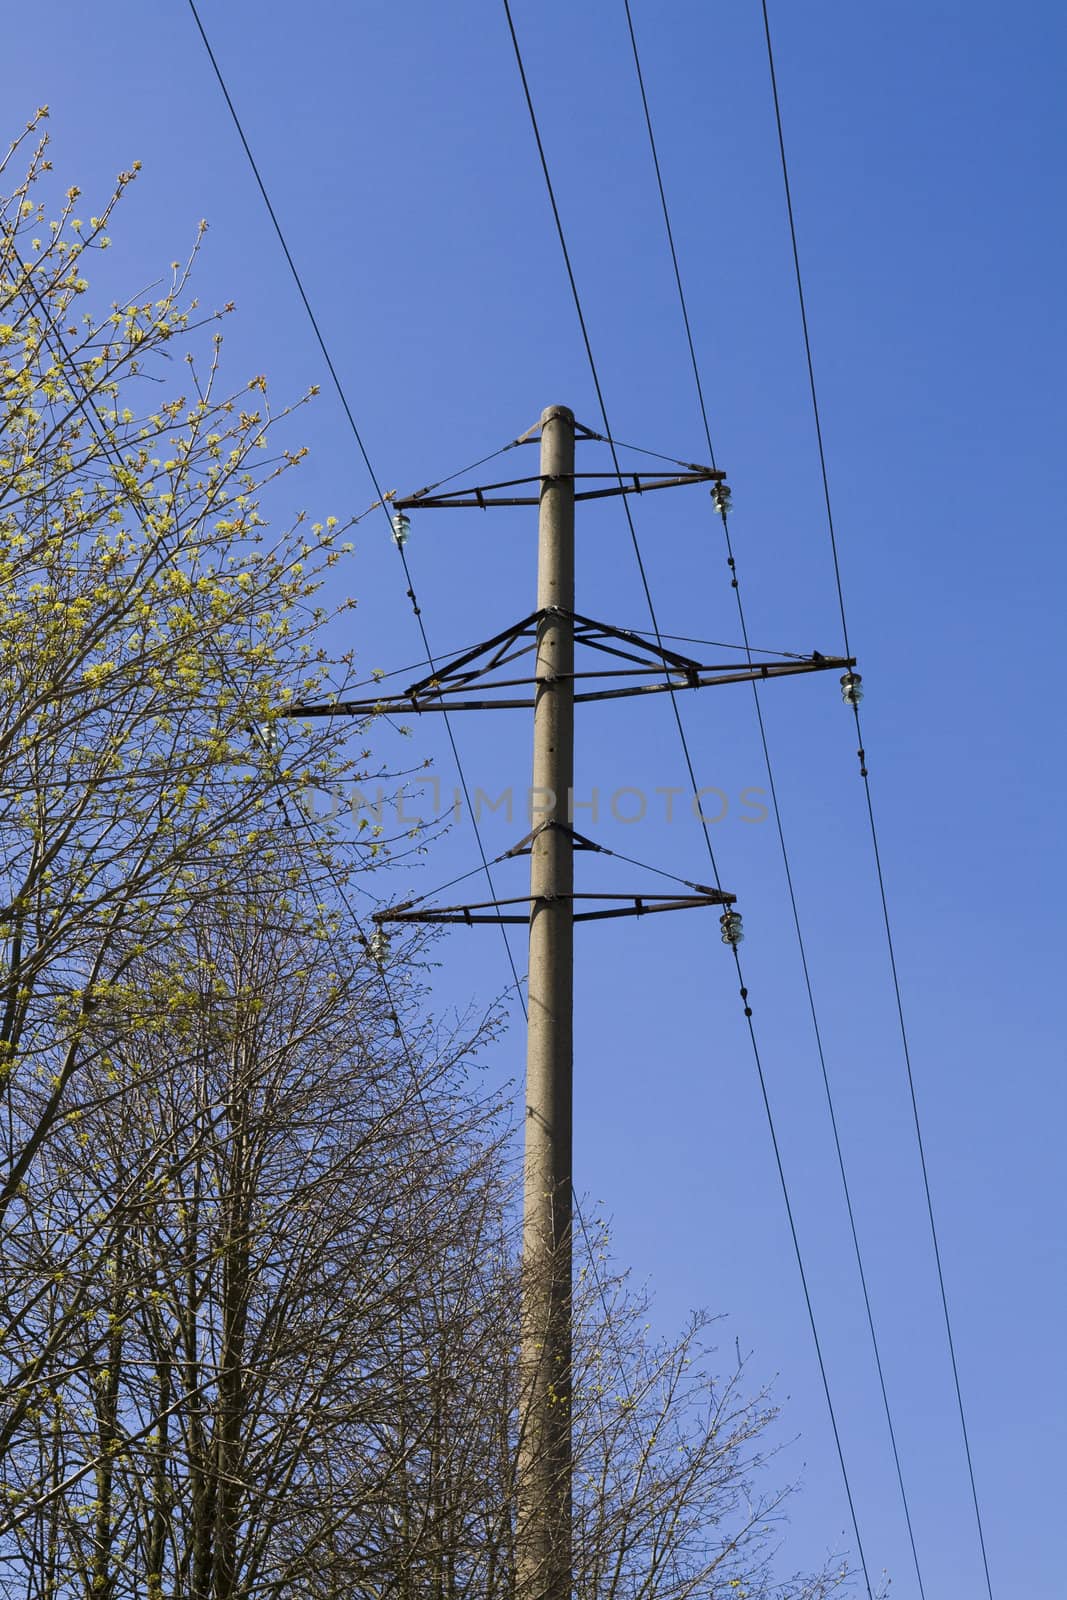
[[533, 434], [483, 496], [632, 656], [637, 905], [578, 840], [610, 905]]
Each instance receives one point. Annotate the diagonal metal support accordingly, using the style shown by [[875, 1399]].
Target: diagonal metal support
[[638, 649], [533, 435], [578, 840], [490, 654], [444, 689]]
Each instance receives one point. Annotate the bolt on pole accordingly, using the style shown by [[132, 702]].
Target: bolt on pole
[[543, 1502]]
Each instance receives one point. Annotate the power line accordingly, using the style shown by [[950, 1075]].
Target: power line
[[736, 584], [600, 399], [346, 407], [867, 791], [692, 776]]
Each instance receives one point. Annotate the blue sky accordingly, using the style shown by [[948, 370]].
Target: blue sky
[[925, 140]]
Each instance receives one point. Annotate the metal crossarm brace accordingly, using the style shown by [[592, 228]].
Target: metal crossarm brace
[[437, 696], [637, 905], [441, 690], [701, 894], [483, 496]]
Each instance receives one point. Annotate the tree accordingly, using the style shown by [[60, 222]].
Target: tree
[[669, 1459], [226, 1165], [241, 1338], [150, 639], [258, 1289]]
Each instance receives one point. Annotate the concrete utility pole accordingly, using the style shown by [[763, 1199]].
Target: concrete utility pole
[[544, 1566], [543, 1510]]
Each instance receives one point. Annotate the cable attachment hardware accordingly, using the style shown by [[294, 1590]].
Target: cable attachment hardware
[[266, 736], [377, 946], [401, 528], [721, 498], [851, 690], [730, 923]]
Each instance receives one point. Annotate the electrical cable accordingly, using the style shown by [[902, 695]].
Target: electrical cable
[[870, 805], [347, 409], [801, 944], [692, 776]]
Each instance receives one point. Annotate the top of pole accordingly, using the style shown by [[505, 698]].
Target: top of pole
[[550, 414]]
